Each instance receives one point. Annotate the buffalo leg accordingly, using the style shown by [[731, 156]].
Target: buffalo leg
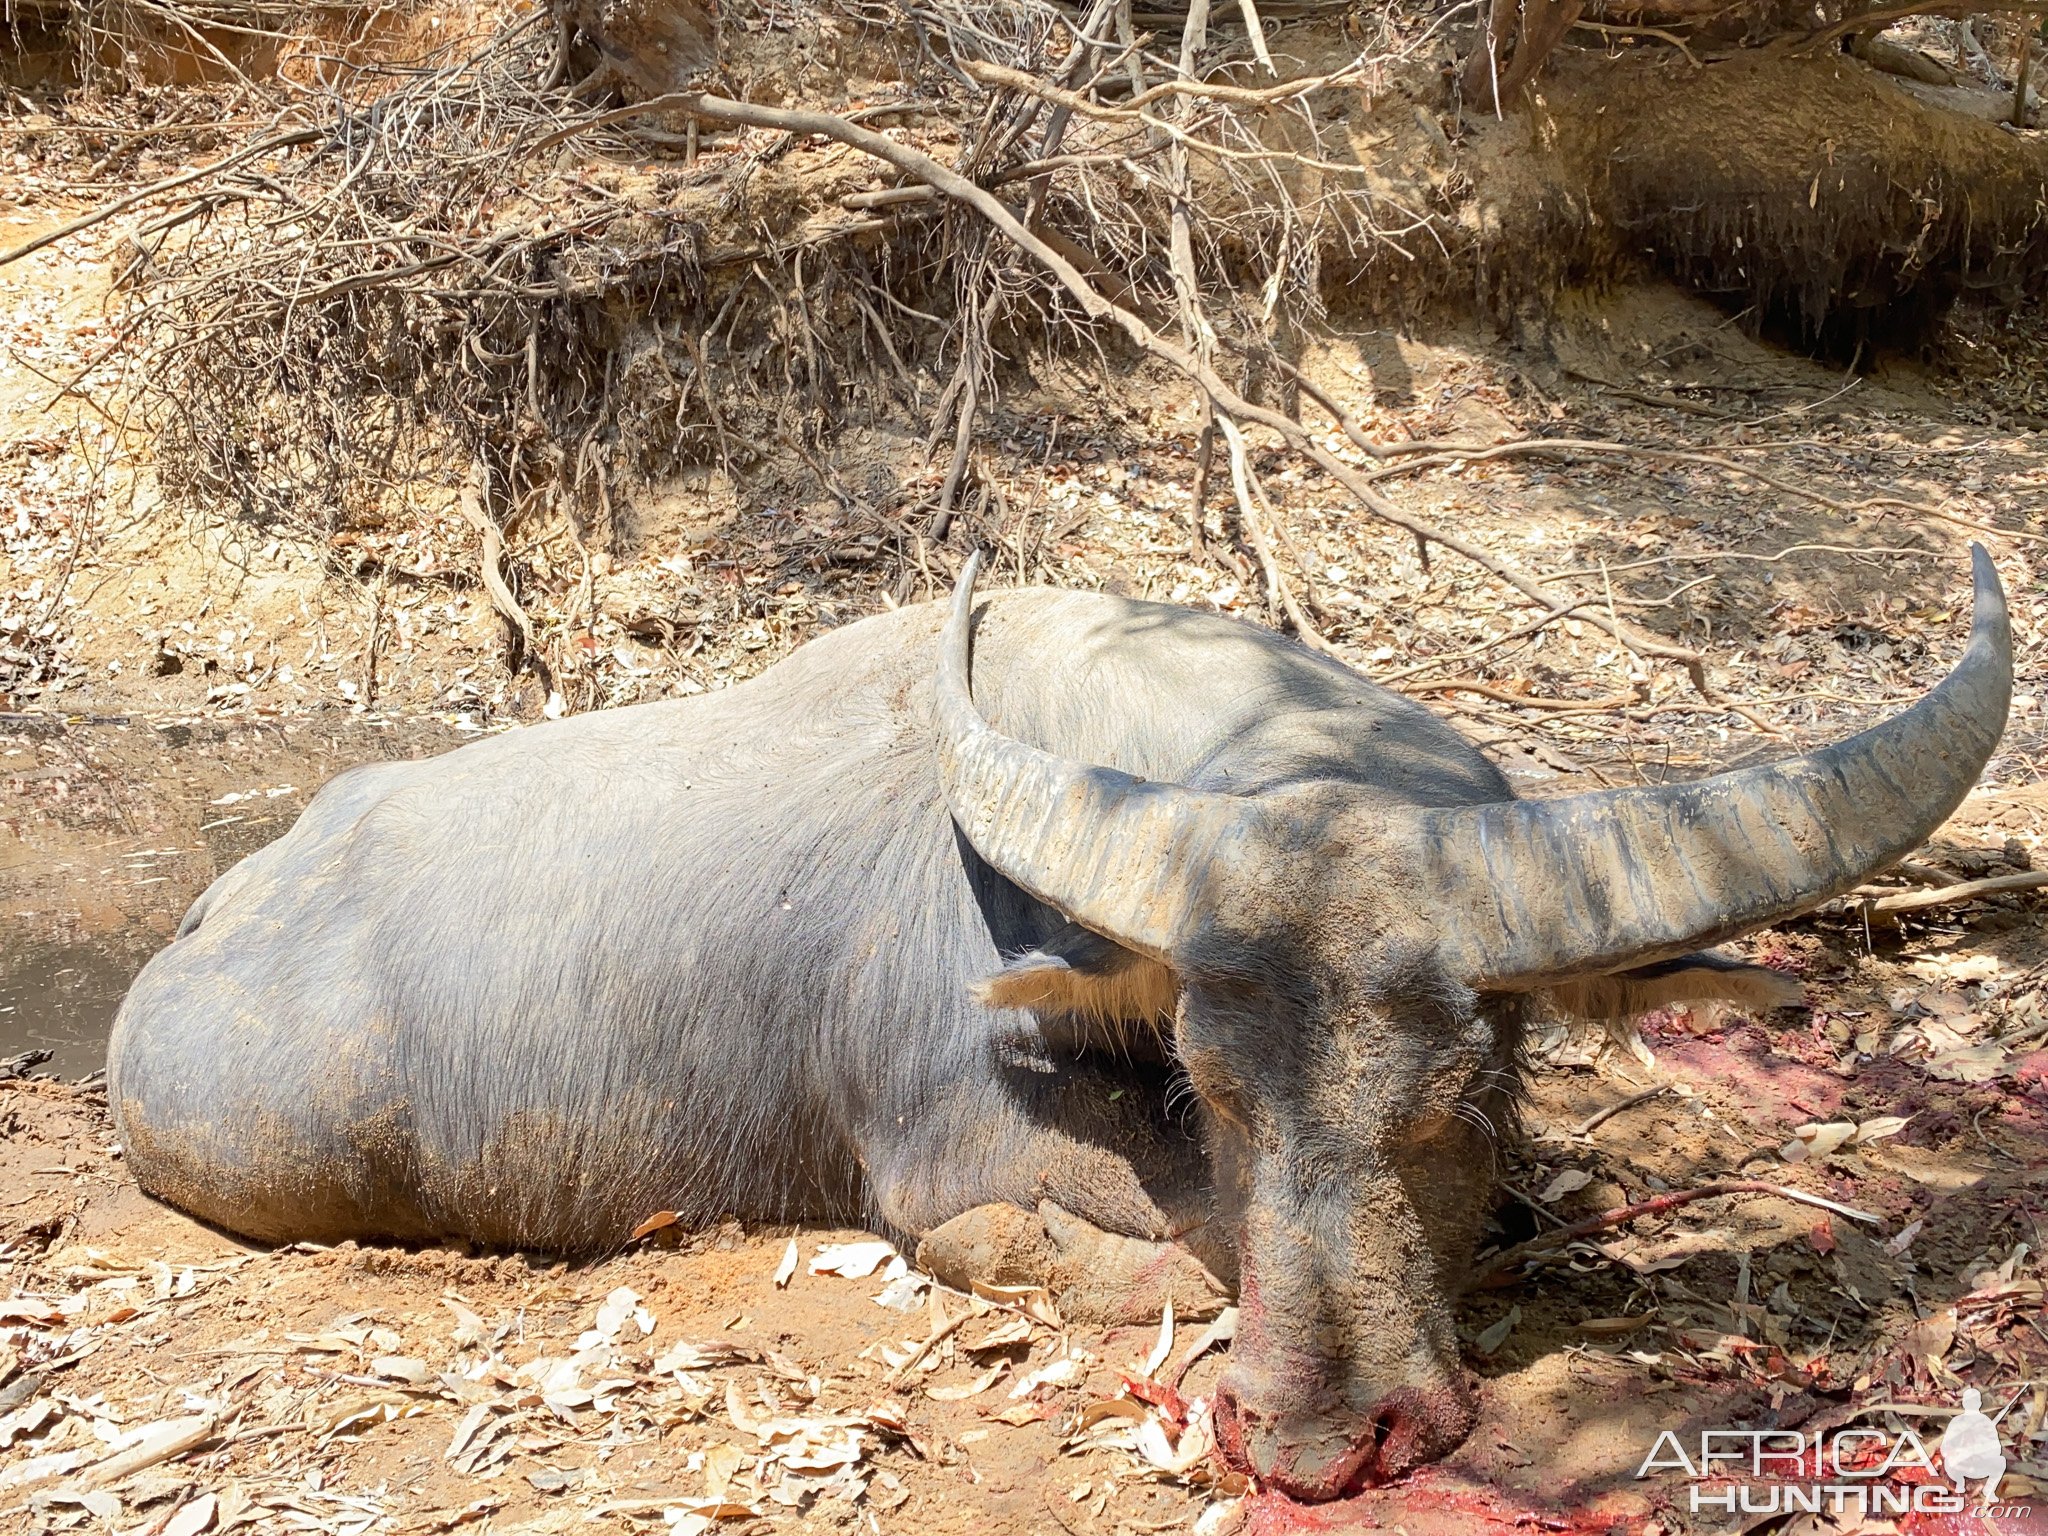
[[1077, 1186], [1099, 1277]]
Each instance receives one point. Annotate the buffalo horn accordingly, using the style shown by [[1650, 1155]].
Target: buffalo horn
[[1135, 861], [1534, 891]]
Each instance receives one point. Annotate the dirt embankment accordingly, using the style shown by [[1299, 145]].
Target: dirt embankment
[[719, 398]]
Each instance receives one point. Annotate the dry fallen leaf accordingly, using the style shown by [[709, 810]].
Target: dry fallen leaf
[[1609, 1326], [358, 1413], [654, 1223], [1817, 1139], [1007, 1334], [402, 1368], [893, 1493], [1034, 1301], [1570, 1181], [26, 1421], [466, 1431], [1058, 1372], [1497, 1334], [787, 1267], [904, 1287], [469, 1514], [1221, 1331], [469, 1328], [965, 1390], [811, 1447], [618, 1308], [1971, 1064], [722, 1463], [1164, 1345], [743, 1418], [191, 1518], [852, 1261], [35, 1469], [1128, 1409], [712, 1509], [1929, 1340], [1152, 1443], [683, 1355], [888, 1418]]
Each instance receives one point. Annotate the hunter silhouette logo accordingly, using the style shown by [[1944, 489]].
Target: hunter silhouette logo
[[1854, 1468], [1970, 1447]]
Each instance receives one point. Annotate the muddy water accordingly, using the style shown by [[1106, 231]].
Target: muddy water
[[109, 828]]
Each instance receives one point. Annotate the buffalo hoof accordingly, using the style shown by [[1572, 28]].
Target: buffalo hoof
[[1099, 1278]]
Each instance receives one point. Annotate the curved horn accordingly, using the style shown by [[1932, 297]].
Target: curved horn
[[1134, 861], [1536, 891]]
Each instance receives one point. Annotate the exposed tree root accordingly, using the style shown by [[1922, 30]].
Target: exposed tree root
[[525, 649], [1228, 402], [155, 190], [462, 321]]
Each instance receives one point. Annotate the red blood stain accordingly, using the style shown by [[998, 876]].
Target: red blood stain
[[1160, 1396], [1776, 1088]]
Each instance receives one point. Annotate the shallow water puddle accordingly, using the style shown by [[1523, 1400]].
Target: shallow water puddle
[[108, 830]]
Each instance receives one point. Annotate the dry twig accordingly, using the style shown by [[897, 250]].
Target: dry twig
[[1506, 1267], [1955, 895]]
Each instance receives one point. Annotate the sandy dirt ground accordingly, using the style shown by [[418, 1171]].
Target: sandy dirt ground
[[159, 1378]]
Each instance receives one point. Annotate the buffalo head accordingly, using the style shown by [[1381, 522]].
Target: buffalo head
[[1345, 968]]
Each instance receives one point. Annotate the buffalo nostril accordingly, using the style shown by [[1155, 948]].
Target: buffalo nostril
[[1418, 1425], [1323, 1454], [1376, 1450]]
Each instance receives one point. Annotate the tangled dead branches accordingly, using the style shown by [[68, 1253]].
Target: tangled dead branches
[[408, 282], [468, 274]]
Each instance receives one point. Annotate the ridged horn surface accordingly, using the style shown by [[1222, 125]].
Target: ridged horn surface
[[1137, 862], [1534, 891]]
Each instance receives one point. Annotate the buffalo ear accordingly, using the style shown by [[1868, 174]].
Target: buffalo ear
[[1080, 974], [1704, 977]]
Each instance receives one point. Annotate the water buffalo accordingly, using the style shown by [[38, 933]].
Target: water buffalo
[[1169, 942]]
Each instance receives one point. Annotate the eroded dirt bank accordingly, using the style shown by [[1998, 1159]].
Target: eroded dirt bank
[[184, 683]]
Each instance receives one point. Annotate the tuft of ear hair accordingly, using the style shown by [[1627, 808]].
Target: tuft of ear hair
[[1082, 975], [1701, 978]]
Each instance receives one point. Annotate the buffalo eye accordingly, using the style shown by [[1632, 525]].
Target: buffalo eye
[[1220, 1088]]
